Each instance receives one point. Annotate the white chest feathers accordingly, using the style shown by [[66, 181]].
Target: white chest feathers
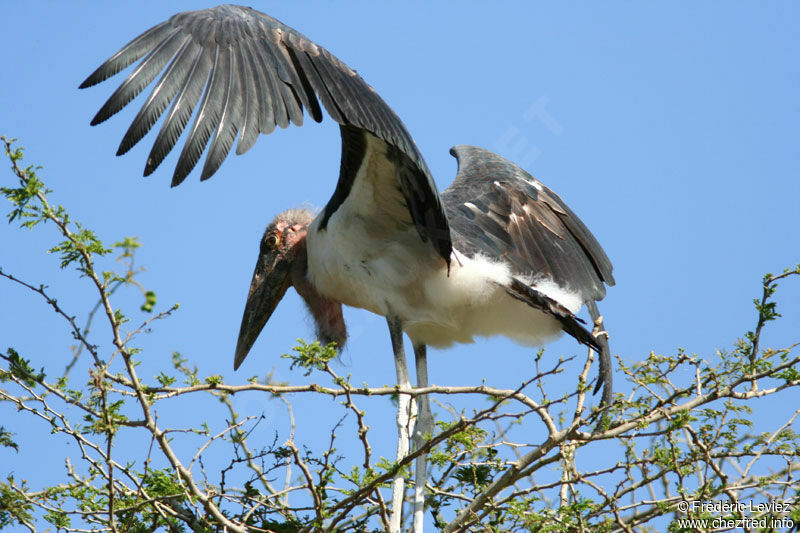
[[403, 277]]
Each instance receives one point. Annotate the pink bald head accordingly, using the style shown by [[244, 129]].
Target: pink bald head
[[283, 262]]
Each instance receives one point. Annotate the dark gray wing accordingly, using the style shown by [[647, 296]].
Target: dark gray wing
[[497, 209], [254, 73]]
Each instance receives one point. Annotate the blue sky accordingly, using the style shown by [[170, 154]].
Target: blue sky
[[671, 129]]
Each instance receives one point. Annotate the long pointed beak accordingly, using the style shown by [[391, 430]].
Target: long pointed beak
[[270, 281]]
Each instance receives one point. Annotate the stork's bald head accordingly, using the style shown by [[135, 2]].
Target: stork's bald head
[[285, 235], [282, 262]]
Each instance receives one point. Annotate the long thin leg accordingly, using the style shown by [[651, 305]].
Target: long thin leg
[[424, 426], [403, 419]]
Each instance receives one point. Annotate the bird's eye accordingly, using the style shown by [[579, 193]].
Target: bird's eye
[[272, 240]]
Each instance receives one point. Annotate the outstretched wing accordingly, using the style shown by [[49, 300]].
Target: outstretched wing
[[254, 73]]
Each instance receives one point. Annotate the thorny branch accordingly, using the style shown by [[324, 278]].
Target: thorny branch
[[529, 458]]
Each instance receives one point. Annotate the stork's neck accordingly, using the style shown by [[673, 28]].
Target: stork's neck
[[327, 313]]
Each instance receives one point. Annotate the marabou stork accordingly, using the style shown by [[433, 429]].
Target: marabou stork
[[497, 253]]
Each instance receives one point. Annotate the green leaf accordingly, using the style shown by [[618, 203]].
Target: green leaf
[[165, 380], [149, 301], [21, 369], [5, 439]]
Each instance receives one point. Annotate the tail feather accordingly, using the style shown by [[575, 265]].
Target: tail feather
[[606, 374], [538, 300], [596, 339]]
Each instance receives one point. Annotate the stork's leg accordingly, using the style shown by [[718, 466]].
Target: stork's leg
[[424, 426], [403, 421]]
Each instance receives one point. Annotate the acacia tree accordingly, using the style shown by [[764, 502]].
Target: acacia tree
[[515, 464]]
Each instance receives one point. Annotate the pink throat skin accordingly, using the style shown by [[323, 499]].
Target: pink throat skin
[[327, 313]]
